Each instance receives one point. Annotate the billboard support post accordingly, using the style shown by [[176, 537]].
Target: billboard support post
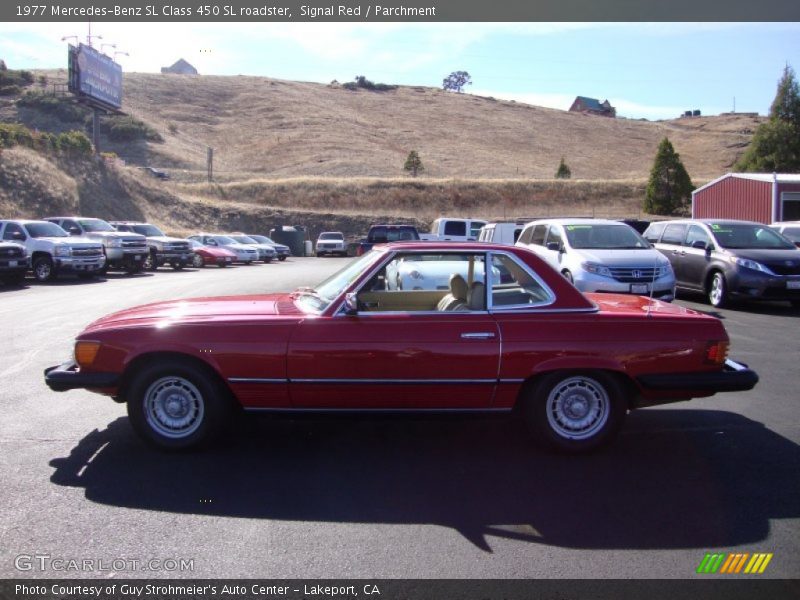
[[210, 164], [96, 129]]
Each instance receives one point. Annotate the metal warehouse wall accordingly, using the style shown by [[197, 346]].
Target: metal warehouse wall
[[735, 198]]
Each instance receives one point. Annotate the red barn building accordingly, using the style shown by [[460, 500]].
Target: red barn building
[[762, 197]]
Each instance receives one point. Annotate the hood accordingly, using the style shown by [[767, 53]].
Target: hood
[[767, 256], [73, 241], [646, 257], [215, 251], [192, 310], [167, 239], [117, 234]]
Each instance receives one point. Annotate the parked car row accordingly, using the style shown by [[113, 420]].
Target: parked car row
[[88, 247]]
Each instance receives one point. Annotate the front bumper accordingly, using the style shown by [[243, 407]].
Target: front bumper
[[735, 377], [68, 376], [759, 286], [79, 264], [183, 258], [663, 288]]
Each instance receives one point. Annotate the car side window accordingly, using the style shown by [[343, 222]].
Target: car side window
[[525, 236], [71, 227], [513, 286], [653, 232], [697, 234], [554, 236], [537, 237], [427, 282], [14, 232], [455, 228], [674, 233]]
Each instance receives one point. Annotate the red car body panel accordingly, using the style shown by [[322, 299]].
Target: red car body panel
[[212, 255], [272, 355]]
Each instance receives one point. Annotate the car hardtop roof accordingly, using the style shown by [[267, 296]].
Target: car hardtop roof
[[575, 221], [714, 221], [129, 223], [75, 217], [25, 221], [786, 223], [445, 247], [339, 232], [392, 225]]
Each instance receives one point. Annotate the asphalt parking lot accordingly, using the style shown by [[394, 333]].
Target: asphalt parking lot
[[430, 498]]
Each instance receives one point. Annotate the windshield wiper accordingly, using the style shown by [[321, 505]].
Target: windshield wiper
[[305, 291]]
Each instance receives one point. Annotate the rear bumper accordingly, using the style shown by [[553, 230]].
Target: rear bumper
[[67, 377], [735, 377]]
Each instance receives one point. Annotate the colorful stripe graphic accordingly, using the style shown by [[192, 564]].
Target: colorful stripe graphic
[[734, 563]]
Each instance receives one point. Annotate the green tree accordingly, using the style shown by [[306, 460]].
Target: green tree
[[456, 81], [564, 172], [670, 188], [776, 143], [413, 163]]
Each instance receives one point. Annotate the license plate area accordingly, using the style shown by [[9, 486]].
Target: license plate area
[[793, 284], [640, 288]]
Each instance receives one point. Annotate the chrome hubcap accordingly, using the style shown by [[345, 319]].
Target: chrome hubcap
[[577, 408], [174, 407]]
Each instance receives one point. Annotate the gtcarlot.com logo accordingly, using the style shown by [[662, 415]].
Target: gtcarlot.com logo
[[735, 563]]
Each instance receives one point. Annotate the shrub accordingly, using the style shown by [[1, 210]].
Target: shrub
[[124, 128], [364, 83], [74, 142], [172, 128], [12, 134], [63, 108]]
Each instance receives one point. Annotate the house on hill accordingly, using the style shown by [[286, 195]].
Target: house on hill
[[181, 67], [592, 106]]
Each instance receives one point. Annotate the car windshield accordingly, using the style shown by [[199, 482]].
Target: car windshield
[[604, 237], [148, 230], [748, 236], [261, 239], [244, 239], [40, 230], [315, 300], [225, 240], [92, 225], [331, 236]]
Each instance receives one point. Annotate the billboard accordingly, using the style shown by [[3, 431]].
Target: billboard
[[94, 76]]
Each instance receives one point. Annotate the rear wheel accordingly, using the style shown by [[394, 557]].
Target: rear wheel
[[177, 266], [222, 265], [151, 262], [281, 258], [575, 412], [44, 269], [718, 291], [175, 404], [198, 262]]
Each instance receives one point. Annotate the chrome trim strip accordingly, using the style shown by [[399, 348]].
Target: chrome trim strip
[[255, 380], [260, 380], [379, 410], [396, 381]]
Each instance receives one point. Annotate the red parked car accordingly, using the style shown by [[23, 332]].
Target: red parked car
[[210, 255], [516, 337]]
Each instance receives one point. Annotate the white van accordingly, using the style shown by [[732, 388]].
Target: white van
[[504, 232], [449, 229]]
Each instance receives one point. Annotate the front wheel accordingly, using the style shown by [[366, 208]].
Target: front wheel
[[575, 412], [281, 258], [151, 262], [177, 266], [14, 278], [176, 405], [44, 269], [198, 262], [718, 291]]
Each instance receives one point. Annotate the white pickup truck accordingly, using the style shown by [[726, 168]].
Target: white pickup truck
[[52, 250], [451, 229]]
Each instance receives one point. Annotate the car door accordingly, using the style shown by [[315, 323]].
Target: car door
[[671, 246], [398, 352], [695, 260]]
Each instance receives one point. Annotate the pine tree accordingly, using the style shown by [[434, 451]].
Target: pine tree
[[776, 143], [564, 171], [669, 189], [413, 163]]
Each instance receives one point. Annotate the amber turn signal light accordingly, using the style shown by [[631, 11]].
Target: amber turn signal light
[[85, 352], [717, 352]]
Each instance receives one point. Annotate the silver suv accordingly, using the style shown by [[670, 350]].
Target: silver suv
[[125, 251], [52, 251], [162, 249]]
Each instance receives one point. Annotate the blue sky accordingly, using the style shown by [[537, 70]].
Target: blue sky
[[646, 70]]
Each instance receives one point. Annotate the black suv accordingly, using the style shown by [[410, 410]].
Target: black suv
[[728, 259]]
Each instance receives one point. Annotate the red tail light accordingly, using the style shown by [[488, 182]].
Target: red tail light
[[717, 352]]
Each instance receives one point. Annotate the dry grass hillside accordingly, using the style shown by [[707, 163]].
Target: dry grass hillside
[[297, 152], [269, 128]]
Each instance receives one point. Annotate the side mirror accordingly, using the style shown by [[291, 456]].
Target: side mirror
[[74, 231], [699, 244], [350, 304], [554, 246]]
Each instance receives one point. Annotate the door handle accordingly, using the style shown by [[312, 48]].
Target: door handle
[[486, 335]]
